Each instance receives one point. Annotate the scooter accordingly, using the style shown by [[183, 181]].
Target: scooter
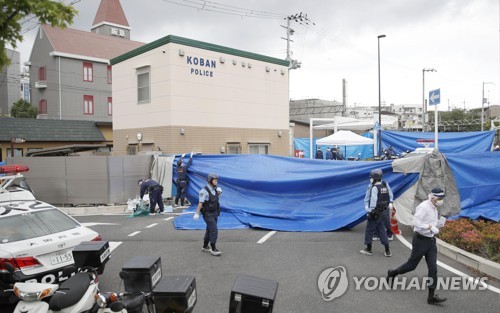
[[75, 295]]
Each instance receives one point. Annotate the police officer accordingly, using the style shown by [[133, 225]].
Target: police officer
[[319, 154], [154, 191], [329, 155], [182, 179], [426, 223], [208, 206], [377, 199]]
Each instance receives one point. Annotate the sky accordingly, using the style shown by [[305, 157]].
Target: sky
[[460, 39]]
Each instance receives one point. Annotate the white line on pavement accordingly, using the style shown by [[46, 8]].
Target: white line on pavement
[[95, 224], [134, 233], [267, 236], [451, 269], [168, 218], [152, 225], [114, 244]]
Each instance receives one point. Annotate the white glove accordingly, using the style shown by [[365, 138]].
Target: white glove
[[391, 206], [441, 222], [219, 190], [434, 230], [196, 216], [191, 154], [183, 155]]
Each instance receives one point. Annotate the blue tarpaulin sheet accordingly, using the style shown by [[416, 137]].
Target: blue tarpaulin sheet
[[453, 142], [478, 180], [287, 194]]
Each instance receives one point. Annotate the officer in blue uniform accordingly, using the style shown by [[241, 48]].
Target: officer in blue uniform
[[377, 199], [182, 179], [208, 206], [319, 154], [155, 191]]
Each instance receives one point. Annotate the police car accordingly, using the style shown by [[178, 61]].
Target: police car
[[35, 237]]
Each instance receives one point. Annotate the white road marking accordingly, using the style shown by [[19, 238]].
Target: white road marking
[[95, 224], [168, 218], [114, 244], [451, 269], [152, 225], [134, 233], [267, 236]]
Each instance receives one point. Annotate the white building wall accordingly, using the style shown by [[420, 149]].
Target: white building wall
[[232, 96]]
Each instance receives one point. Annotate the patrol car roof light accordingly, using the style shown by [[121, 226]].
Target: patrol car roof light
[[13, 169]]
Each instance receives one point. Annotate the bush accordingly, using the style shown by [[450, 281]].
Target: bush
[[478, 237]]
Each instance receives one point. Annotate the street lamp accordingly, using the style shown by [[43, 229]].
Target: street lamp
[[482, 106], [424, 107], [379, 98]]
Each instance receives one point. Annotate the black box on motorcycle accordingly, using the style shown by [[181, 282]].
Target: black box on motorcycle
[[175, 294], [252, 294], [142, 273], [91, 253]]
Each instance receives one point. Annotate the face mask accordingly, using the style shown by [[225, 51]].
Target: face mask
[[439, 202], [371, 181]]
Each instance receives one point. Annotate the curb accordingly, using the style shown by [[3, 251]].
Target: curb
[[471, 260]]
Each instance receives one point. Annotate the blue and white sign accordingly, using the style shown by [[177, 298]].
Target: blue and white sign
[[434, 97]]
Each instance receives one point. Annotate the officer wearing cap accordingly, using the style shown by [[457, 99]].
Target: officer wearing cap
[[208, 206], [378, 197], [426, 223], [182, 179], [154, 191], [319, 154]]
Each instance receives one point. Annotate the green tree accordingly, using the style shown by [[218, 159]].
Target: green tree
[[13, 12], [23, 109]]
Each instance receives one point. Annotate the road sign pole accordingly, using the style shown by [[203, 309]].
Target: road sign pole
[[434, 100]]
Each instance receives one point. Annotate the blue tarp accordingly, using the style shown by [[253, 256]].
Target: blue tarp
[[453, 142], [478, 180], [287, 194]]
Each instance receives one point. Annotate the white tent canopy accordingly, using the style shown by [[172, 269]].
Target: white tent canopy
[[344, 138]]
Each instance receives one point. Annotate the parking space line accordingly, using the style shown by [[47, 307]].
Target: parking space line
[[451, 269], [152, 225], [168, 218], [267, 236], [134, 233], [114, 244]]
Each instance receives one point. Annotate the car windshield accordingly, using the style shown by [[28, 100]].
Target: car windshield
[[34, 224]]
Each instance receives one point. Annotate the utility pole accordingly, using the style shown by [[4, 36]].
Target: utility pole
[[299, 18]]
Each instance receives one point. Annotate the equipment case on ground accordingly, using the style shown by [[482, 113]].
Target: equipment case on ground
[[143, 273], [252, 294], [91, 253], [175, 294]]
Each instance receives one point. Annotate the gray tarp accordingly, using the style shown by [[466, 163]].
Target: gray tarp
[[434, 172], [161, 171]]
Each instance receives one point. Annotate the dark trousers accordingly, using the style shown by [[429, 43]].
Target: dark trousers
[[422, 246], [376, 227], [387, 222], [181, 192], [211, 231], [155, 198]]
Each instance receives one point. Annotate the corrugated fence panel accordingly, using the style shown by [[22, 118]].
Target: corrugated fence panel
[[87, 180]]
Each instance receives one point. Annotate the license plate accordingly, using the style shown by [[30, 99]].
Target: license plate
[[61, 257]]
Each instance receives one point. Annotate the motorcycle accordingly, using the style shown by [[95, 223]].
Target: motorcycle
[[75, 295]]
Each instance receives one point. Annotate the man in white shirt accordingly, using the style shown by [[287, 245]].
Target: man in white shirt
[[426, 223]]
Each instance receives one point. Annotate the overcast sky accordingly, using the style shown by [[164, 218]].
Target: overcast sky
[[458, 38]]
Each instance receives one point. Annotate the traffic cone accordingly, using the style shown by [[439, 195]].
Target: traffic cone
[[394, 223]]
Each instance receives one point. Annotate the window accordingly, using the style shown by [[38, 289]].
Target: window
[[42, 106], [18, 152], [233, 148], [88, 72], [110, 106], [88, 105], [258, 148], [110, 75], [42, 73], [143, 85], [131, 149]]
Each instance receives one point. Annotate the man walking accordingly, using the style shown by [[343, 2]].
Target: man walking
[[208, 206], [426, 223], [378, 197]]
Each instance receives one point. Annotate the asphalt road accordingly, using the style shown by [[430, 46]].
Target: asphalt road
[[294, 260]]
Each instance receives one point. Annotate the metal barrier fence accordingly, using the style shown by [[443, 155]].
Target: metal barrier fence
[[85, 180]]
